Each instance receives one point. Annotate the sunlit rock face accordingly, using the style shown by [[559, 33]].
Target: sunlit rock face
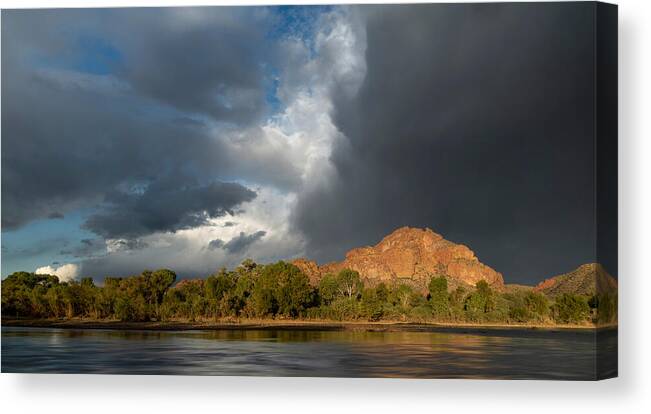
[[587, 279], [412, 256]]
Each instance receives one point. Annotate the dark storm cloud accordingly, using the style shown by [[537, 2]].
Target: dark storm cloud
[[92, 103], [86, 248], [242, 242], [475, 120], [96, 248], [83, 145], [215, 244], [55, 216], [202, 60], [38, 248], [166, 206], [129, 244]]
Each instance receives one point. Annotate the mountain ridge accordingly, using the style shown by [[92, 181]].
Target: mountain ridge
[[587, 279], [409, 255], [413, 255]]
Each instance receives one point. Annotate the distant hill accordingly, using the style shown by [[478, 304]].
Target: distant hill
[[412, 256], [587, 279], [516, 288]]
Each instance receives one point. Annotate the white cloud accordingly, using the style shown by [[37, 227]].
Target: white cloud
[[187, 252], [295, 145], [65, 273], [281, 158]]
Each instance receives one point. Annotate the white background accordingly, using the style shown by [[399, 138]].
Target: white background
[[631, 392]]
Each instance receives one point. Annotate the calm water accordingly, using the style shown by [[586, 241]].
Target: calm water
[[515, 354]]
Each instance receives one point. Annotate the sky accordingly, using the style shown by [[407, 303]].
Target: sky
[[193, 138]]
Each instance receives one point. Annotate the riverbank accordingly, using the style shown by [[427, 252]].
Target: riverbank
[[283, 324]]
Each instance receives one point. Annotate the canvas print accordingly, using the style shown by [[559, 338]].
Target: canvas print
[[398, 190]]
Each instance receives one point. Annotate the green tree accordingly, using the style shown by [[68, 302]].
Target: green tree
[[154, 285], [262, 299], [73, 298], [133, 301], [483, 288], [537, 304], [39, 307], [606, 305], [220, 296], [185, 300], [479, 302], [16, 292], [220, 284], [349, 283], [292, 291], [475, 307], [172, 305], [519, 314], [401, 295], [402, 299], [343, 309], [457, 297], [571, 308], [125, 308], [525, 306], [248, 266], [382, 292], [243, 288], [328, 288], [372, 305], [107, 296], [23, 294], [55, 301], [160, 281], [438, 292]]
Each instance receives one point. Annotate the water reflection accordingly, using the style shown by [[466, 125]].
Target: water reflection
[[516, 354]]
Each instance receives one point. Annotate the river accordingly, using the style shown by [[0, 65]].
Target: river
[[450, 353]]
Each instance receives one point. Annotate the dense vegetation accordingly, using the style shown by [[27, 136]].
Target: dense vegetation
[[281, 290]]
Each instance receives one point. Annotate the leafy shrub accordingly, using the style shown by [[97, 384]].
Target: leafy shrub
[[570, 308]]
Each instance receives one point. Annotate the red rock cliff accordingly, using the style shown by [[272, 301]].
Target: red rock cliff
[[409, 255]]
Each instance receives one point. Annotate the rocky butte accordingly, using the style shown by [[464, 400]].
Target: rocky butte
[[410, 255], [587, 279]]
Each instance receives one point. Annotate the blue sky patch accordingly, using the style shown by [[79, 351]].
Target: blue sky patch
[[41, 242], [91, 55]]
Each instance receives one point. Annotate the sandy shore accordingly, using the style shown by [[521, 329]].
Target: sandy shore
[[386, 326]]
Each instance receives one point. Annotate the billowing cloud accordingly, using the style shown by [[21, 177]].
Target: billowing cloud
[[216, 244], [86, 248], [65, 273], [116, 107], [490, 145], [242, 242], [178, 134], [188, 252], [157, 154], [165, 206], [208, 61]]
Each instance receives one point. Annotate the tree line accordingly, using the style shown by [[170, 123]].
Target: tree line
[[280, 290]]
